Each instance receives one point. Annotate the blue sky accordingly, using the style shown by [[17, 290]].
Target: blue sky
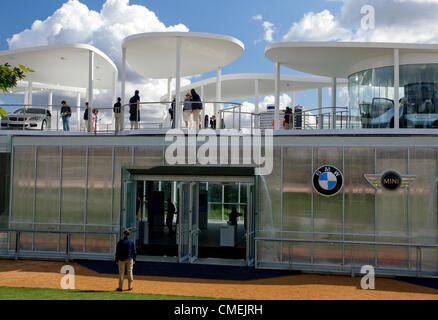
[[222, 17], [288, 20]]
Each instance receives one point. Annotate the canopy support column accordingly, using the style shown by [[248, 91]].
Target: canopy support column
[[90, 90], [169, 98], [217, 106], [396, 88], [256, 103], [292, 96], [203, 107], [50, 101], [277, 97], [26, 96], [177, 113], [50, 104], [78, 105], [114, 88], [320, 119], [30, 92], [123, 89], [334, 91]]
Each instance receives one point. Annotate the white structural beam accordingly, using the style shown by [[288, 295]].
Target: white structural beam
[[320, 119], [114, 88], [169, 89], [78, 105], [396, 88], [50, 104], [334, 90], [50, 100], [292, 97], [277, 97], [90, 90], [217, 106], [177, 111], [256, 102], [26, 96], [203, 108], [30, 93], [123, 89], [169, 98]]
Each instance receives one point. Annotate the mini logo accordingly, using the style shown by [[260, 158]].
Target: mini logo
[[328, 181], [390, 180]]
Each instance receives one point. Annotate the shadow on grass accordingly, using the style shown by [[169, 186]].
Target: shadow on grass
[[13, 293]]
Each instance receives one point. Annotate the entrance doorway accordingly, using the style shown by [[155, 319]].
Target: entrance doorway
[[191, 219]]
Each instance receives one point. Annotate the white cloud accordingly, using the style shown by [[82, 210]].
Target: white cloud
[[117, 19], [269, 31], [317, 27], [268, 28], [395, 21], [285, 100]]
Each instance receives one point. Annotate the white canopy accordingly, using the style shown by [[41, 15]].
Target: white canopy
[[169, 55], [241, 86], [153, 54], [341, 59], [64, 65]]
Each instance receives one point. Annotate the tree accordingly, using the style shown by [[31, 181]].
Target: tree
[[9, 76], [2, 113]]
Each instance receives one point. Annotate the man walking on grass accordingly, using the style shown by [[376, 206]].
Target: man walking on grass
[[125, 258]]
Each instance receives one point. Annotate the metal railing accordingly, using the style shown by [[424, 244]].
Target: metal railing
[[158, 115], [66, 254], [351, 266], [167, 118]]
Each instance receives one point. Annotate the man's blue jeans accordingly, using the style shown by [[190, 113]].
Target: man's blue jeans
[[66, 123]]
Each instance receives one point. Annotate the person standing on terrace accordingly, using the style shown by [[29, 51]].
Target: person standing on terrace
[[196, 108], [187, 110], [86, 117], [117, 111], [65, 115], [134, 110]]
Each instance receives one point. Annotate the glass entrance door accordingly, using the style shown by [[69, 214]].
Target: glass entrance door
[[188, 217], [128, 211], [249, 225], [183, 221], [194, 222]]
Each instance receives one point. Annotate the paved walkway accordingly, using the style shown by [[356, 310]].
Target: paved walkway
[[44, 274]]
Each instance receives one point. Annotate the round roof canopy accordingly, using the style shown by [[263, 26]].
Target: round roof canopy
[[341, 59], [64, 65], [153, 55], [241, 86]]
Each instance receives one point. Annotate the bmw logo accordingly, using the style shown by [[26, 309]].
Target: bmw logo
[[328, 181]]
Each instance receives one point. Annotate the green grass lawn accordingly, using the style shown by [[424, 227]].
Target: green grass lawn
[[8, 293]]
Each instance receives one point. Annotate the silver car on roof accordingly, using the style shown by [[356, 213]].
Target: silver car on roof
[[29, 118]]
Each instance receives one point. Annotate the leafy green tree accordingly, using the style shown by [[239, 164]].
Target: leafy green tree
[[9, 75], [2, 113]]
